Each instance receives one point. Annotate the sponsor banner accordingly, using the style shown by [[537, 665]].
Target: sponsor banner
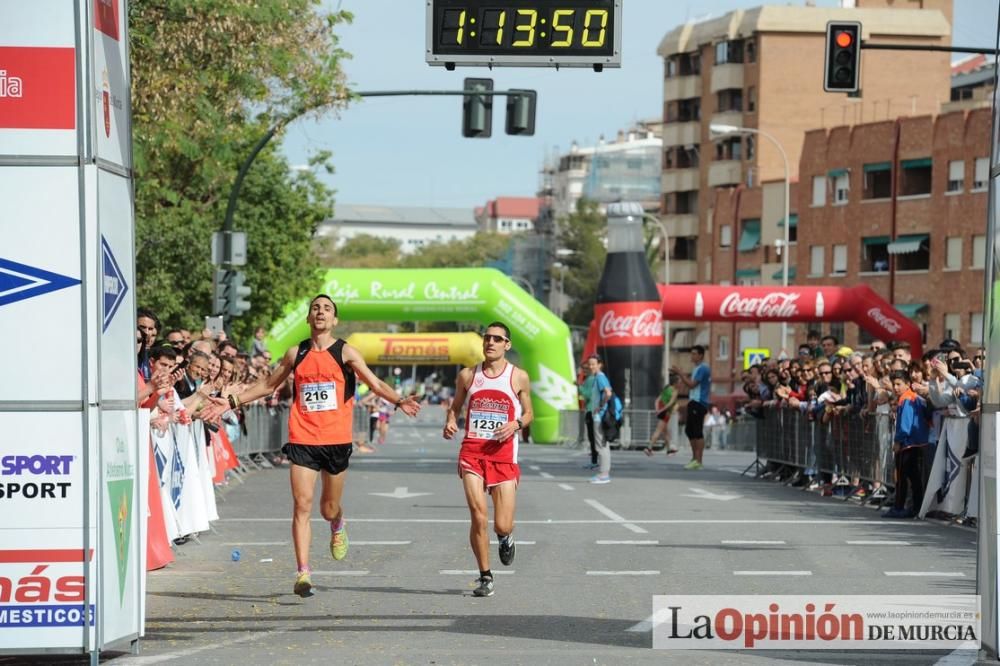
[[41, 470], [629, 323], [37, 88], [408, 348], [110, 87], [816, 622]]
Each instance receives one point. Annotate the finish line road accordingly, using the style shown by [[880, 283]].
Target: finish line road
[[588, 561]]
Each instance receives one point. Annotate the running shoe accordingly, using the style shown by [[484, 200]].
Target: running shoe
[[507, 549], [599, 480], [672, 450], [694, 464], [485, 588], [303, 584], [338, 542]]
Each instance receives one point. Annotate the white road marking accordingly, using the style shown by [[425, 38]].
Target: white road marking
[[401, 492], [615, 517], [255, 543], [939, 574], [183, 654], [878, 543], [701, 493], [772, 573], [749, 542], [545, 475], [959, 658], [647, 624], [566, 486], [623, 573], [611, 542], [472, 572], [534, 468], [357, 572]]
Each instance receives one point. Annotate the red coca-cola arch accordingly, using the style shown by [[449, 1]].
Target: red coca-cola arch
[[705, 302]]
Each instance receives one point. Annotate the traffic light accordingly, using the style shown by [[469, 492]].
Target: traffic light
[[219, 292], [236, 295], [477, 110], [521, 112], [842, 71]]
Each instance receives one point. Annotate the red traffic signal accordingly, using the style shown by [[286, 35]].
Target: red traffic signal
[[842, 67]]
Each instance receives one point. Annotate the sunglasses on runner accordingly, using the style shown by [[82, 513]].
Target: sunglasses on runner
[[489, 337]]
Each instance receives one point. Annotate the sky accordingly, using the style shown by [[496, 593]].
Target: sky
[[409, 151]]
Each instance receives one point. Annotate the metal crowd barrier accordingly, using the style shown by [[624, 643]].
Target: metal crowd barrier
[[849, 445]]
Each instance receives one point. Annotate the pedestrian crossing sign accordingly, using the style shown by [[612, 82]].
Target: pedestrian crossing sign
[[755, 356]]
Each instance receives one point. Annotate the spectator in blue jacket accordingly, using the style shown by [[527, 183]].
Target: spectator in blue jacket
[[909, 444]]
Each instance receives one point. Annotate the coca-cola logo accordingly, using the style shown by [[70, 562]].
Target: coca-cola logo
[[646, 324], [776, 305], [889, 324]]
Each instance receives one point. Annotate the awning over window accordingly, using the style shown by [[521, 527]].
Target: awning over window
[[875, 240], [791, 274], [682, 339], [907, 244], [922, 163], [748, 273], [910, 310], [795, 220], [703, 337], [878, 166], [836, 173], [750, 236]]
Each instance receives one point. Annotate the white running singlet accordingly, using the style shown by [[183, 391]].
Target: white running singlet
[[492, 402]]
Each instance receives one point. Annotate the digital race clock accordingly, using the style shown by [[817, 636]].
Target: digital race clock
[[564, 33]]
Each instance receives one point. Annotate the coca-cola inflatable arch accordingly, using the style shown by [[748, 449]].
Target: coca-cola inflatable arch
[[859, 304]]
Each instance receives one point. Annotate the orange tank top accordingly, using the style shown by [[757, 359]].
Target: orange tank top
[[319, 413]]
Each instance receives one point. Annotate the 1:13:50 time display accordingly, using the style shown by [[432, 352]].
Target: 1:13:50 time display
[[572, 29]]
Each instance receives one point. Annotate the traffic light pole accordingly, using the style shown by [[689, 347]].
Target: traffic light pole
[[927, 47]]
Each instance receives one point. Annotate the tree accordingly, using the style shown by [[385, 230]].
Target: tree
[[583, 232], [210, 78]]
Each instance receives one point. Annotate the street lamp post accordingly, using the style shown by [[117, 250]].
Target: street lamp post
[[666, 280], [733, 129]]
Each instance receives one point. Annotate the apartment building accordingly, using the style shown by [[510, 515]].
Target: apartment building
[[508, 215], [901, 206], [762, 69], [414, 226]]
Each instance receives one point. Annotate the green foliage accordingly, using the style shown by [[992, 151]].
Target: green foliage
[[209, 79], [583, 232]]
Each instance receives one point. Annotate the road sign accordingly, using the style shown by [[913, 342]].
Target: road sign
[[20, 281], [114, 286], [755, 356], [527, 33], [233, 252]]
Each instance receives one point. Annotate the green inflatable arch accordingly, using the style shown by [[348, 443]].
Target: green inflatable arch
[[455, 294]]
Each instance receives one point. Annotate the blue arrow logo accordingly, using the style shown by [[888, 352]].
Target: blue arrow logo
[[19, 282], [114, 284]]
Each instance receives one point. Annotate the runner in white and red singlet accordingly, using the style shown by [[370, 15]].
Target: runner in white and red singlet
[[499, 406]]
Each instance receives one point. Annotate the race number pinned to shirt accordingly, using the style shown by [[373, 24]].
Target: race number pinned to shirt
[[318, 396], [484, 423]]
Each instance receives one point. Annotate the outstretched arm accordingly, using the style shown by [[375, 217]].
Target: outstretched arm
[[352, 357]]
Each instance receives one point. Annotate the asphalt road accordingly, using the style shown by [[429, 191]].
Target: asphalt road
[[589, 559]]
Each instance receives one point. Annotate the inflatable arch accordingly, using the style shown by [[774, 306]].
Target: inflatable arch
[[455, 294], [859, 304], [418, 348]]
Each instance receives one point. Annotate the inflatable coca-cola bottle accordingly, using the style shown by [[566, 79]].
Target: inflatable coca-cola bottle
[[627, 312]]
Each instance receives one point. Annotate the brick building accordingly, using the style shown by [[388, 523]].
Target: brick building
[[762, 69]]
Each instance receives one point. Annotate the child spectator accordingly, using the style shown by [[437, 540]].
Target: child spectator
[[909, 444]]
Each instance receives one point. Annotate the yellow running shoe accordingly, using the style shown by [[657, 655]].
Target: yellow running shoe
[[303, 584], [338, 542]]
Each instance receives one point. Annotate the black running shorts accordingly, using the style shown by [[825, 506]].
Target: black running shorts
[[331, 458], [694, 428]]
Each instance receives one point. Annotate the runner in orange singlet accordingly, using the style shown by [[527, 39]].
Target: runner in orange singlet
[[499, 407], [319, 425]]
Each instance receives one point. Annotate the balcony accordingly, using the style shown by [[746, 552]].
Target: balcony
[[734, 118], [725, 172], [682, 271], [682, 134], [681, 225], [681, 87], [727, 76], [679, 180]]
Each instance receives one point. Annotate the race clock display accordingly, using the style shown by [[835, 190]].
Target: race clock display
[[573, 33]]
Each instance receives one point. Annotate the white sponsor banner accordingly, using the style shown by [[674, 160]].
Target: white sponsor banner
[[116, 288], [110, 87], [41, 472], [120, 517], [816, 622]]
